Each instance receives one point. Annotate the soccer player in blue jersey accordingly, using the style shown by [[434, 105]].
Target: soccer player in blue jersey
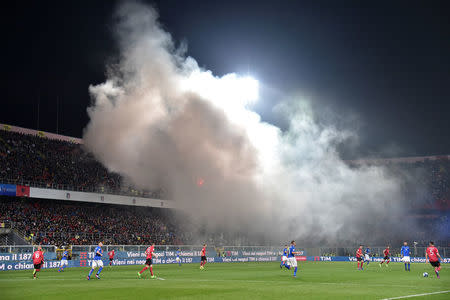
[[367, 255], [64, 261], [178, 259], [97, 262], [406, 258], [291, 258], [284, 257]]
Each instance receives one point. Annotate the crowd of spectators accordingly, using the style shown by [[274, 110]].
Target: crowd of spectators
[[439, 181], [53, 222], [31, 159], [426, 187], [35, 160], [426, 183], [52, 163]]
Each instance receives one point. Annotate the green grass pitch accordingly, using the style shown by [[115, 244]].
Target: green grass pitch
[[315, 280]]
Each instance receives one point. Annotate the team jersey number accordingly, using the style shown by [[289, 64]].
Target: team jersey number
[[431, 252], [36, 255]]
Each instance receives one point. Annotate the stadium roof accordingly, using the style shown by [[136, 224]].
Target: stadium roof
[[48, 135]]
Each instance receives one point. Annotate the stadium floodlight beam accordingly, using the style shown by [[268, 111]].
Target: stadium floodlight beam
[[230, 90], [249, 89]]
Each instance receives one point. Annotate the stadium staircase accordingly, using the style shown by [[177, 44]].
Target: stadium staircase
[[10, 236]]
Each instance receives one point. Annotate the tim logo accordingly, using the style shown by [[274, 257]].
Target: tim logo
[[83, 257]]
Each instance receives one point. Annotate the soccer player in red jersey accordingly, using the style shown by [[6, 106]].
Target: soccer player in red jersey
[[359, 257], [432, 255], [149, 262], [386, 258], [111, 256], [38, 260], [203, 257]]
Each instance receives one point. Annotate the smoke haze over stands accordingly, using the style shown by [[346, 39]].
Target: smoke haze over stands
[[42, 160]]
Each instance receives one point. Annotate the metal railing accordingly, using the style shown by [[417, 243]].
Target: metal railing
[[105, 237], [98, 189], [416, 251], [141, 248], [26, 249], [10, 226], [225, 250]]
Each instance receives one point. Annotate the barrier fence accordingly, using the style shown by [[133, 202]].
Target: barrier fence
[[417, 251], [10, 183], [19, 257]]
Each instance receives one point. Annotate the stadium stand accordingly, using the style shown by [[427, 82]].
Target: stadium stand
[[426, 186], [58, 162], [37, 161], [49, 222], [426, 180]]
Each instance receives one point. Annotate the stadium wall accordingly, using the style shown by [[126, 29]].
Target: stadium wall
[[32, 192], [98, 198]]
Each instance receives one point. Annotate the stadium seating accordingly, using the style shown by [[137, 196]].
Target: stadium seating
[[42, 162], [39, 161], [49, 222]]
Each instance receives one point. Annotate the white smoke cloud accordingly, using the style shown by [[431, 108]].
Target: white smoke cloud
[[162, 121]]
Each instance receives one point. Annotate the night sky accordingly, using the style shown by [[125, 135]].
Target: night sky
[[385, 64]]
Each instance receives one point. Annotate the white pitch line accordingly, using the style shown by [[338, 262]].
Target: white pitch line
[[49, 278], [417, 295]]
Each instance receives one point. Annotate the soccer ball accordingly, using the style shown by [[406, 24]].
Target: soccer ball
[[425, 274]]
